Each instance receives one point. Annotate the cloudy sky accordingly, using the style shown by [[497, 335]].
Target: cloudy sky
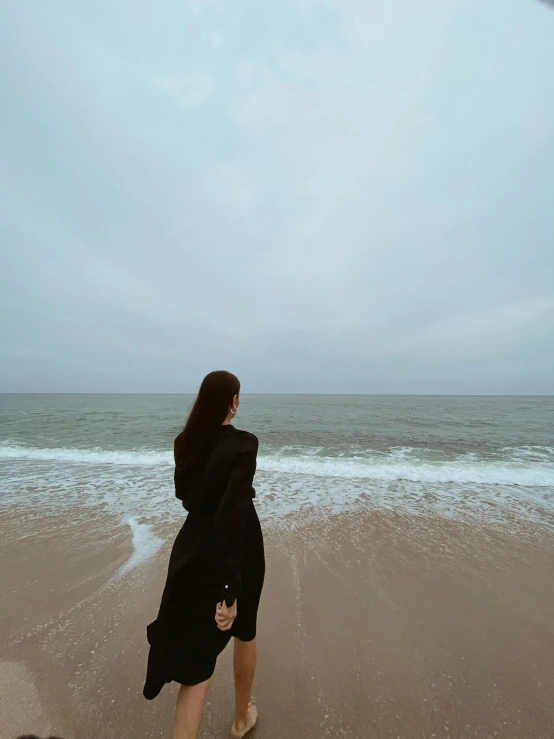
[[322, 196]]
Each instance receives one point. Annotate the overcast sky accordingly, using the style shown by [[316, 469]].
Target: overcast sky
[[337, 196]]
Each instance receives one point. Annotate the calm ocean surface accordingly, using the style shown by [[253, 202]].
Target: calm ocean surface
[[450, 455]]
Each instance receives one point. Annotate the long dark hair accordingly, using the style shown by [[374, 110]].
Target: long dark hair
[[195, 442]]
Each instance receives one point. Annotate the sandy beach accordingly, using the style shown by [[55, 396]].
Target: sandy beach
[[373, 624]]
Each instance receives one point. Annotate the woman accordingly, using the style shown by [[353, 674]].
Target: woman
[[216, 569]]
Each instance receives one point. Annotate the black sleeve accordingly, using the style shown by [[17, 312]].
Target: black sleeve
[[230, 521]]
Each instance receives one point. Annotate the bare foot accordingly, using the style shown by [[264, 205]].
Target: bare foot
[[241, 729]]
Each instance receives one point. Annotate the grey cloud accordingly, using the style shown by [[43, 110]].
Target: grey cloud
[[365, 209]]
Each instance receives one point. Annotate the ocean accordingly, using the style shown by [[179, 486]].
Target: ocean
[[456, 456]]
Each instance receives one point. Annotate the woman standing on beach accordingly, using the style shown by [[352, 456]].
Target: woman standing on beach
[[216, 569]]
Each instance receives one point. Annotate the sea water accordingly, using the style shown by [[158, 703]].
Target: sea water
[[453, 456]]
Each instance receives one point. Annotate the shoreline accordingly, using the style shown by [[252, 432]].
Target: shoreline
[[372, 623]]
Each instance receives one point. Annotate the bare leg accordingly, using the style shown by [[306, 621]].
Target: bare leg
[[188, 712], [244, 665]]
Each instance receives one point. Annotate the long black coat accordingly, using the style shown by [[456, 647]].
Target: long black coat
[[217, 555]]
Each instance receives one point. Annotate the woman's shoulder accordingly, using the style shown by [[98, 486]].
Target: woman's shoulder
[[245, 441]]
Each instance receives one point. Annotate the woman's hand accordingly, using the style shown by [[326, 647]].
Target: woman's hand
[[225, 616]]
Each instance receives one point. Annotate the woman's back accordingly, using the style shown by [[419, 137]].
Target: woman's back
[[201, 491]]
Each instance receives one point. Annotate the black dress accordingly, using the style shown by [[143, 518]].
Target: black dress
[[218, 555]]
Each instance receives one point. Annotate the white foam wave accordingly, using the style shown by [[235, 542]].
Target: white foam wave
[[140, 457], [145, 545], [516, 468], [530, 453], [459, 470]]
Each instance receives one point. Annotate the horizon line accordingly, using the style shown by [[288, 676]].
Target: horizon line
[[274, 394]]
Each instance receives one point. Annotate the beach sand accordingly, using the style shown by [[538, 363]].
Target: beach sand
[[373, 624]]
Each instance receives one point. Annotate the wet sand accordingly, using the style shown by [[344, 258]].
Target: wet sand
[[373, 624]]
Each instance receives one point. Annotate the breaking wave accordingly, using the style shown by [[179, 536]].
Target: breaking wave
[[522, 466]]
